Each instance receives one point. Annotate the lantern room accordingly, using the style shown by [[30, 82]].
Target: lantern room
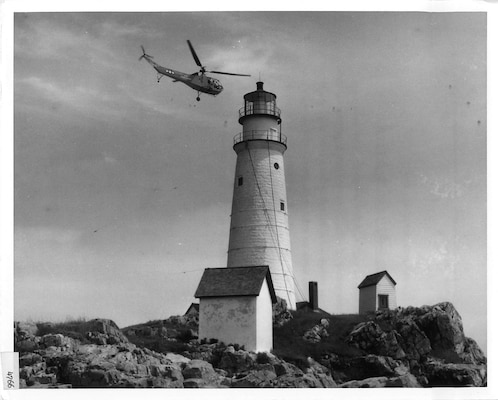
[[259, 102]]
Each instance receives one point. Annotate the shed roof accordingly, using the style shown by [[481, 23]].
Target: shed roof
[[373, 279], [234, 281], [194, 306]]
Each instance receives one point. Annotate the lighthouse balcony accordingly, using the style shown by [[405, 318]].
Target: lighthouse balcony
[[271, 135]]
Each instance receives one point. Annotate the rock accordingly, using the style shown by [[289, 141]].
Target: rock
[[281, 314], [202, 372], [288, 369], [237, 361], [29, 359], [194, 383], [413, 341], [370, 337], [57, 340], [434, 330], [27, 345], [369, 366], [407, 380], [255, 379], [304, 381], [104, 330], [25, 329], [472, 353], [317, 332], [177, 358], [443, 326], [440, 374]]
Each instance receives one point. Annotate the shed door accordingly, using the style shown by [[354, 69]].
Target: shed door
[[383, 301]]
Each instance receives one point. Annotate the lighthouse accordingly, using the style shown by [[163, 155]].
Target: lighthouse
[[259, 226]]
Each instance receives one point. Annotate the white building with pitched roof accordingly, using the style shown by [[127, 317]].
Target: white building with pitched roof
[[235, 306], [377, 292]]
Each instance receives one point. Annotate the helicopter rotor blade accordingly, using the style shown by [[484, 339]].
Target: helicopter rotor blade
[[144, 55], [194, 54], [227, 73]]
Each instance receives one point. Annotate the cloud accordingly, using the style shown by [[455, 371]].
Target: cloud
[[444, 188], [45, 234], [44, 93]]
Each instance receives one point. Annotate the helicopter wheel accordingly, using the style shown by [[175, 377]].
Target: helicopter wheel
[[198, 98]]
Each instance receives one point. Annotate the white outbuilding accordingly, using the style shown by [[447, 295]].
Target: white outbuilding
[[235, 306], [377, 292]]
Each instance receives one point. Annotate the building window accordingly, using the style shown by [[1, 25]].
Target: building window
[[282, 206], [240, 181]]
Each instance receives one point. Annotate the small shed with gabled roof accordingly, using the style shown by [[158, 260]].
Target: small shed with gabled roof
[[193, 309], [377, 292], [235, 306]]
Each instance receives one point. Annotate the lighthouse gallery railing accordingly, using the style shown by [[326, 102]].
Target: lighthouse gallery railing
[[272, 135]]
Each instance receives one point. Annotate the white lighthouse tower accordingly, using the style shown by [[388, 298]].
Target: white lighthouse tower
[[259, 228]]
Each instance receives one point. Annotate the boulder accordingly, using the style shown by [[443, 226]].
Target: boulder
[[202, 373], [104, 331], [281, 314], [370, 337], [371, 365], [412, 340], [407, 380], [442, 324], [255, 379], [472, 353], [57, 340], [24, 329], [441, 374], [317, 332], [238, 361]]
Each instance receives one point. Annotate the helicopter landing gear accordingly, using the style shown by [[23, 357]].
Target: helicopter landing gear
[[159, 76], [198, 98]]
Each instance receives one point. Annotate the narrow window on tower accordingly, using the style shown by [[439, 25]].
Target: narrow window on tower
[[282, 206], [240, 181]]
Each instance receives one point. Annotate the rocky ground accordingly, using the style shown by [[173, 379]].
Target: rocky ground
[[410, 347]]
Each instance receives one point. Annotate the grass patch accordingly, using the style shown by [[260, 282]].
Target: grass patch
[[290, 345], [75, 329]]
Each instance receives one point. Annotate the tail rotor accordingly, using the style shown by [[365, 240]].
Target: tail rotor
[[144, 55]]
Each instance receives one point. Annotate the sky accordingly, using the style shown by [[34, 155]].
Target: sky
[[123, 186]]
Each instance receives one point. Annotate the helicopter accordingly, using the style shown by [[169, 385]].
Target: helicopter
[[198, 80]]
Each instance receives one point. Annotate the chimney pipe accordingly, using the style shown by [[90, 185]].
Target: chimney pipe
[[313, 293]]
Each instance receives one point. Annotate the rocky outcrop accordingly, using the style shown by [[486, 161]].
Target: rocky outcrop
[[436, 329], [55, 360], [370, 337], [428, 340], [317, 332], [409, 347], [442, 374]]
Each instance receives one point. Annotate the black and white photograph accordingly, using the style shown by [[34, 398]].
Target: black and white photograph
[[268, 199]]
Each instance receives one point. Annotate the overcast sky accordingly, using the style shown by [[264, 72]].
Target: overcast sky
[[123, 186]]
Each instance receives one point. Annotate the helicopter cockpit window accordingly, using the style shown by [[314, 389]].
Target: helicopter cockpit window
[[216, 84]]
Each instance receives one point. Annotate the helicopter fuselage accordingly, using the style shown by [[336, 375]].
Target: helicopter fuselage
[[197, 81]]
